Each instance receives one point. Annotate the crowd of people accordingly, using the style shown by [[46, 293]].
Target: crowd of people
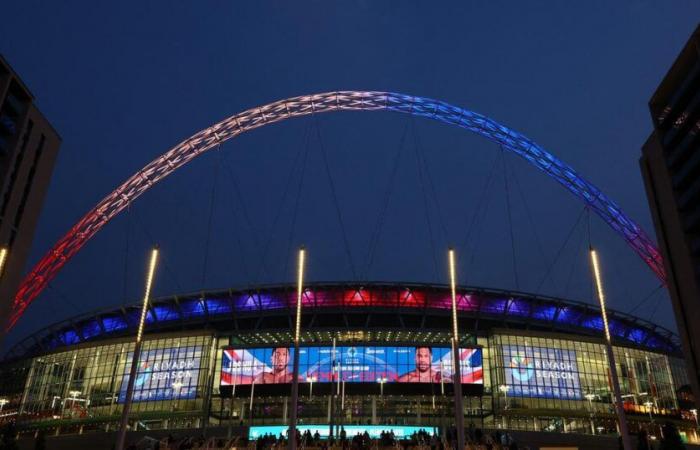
[[475, 439], [422, 440]]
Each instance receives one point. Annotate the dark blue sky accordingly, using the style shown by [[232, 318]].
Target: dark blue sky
[[124, 82]]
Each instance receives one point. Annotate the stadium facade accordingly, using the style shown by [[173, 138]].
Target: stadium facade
[[371, 354]]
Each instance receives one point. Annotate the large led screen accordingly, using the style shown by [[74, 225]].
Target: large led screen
[[541, 372], [374, 431], [164, 374], [351, 364]]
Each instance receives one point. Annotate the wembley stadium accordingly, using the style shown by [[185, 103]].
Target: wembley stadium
[[371, 356], [349, 357]]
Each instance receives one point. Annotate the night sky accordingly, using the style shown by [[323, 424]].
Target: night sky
[[123, 82]]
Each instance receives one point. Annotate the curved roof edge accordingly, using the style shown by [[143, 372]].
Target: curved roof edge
[[171, 312]]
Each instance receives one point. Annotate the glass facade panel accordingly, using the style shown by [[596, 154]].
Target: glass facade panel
[[91, 382], [546, 373]]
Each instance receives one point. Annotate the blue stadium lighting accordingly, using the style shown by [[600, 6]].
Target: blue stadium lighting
[[218, 306], [70, 337], [91, 329], [544, 312], [531, 310], [192, 308], [163, 313], [113, 324]]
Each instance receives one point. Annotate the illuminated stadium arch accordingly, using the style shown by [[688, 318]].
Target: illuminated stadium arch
[[47, 268]]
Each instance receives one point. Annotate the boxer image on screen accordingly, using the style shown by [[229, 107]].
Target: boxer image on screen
[[280, 369], [423, 372]]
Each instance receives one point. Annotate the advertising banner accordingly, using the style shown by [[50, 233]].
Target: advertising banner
[[541, 372], [164, 374], [349, 363]]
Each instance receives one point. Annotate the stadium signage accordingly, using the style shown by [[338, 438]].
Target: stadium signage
[[164, 374], [541, 372]]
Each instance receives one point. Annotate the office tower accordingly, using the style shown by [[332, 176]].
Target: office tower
[[28, 149], [671, 168]]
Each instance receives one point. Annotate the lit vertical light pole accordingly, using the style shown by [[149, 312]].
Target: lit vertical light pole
[[504, 388], [457, 376], [649, 405], [590, 398], [442, 379], [342, 398], [176, 386], [73, 397], [311, 380], [297, 332], [331, 418], [121, 437], [252, 396], [624, 431], [3, 258], [381, 381]]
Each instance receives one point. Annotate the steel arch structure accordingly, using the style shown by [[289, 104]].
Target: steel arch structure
[[47, 268]]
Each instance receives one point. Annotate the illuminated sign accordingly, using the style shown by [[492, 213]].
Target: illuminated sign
[[163, 374], [374, 431], [351, 364], [541, 372]]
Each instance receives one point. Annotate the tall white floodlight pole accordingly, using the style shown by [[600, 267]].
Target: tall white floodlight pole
[[442, 380], [590, 398], [3, 258], [332, 397], [297, 332], [457, 376], [252, 396], [311, 380], [381, 381], [624, 431], [121, 437]]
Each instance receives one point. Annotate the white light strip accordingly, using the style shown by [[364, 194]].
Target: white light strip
[[147, 292], [453, 283], [3, 258], [601, 294], [300, 291]]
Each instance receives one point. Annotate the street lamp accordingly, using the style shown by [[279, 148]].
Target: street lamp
[[311, 380], [4, 401], [649, 404], [504, 388], [73, 397], [381, 381], [176, 385], [590, 398]]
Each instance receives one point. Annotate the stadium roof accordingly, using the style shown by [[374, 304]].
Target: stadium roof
[[480, 308]]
